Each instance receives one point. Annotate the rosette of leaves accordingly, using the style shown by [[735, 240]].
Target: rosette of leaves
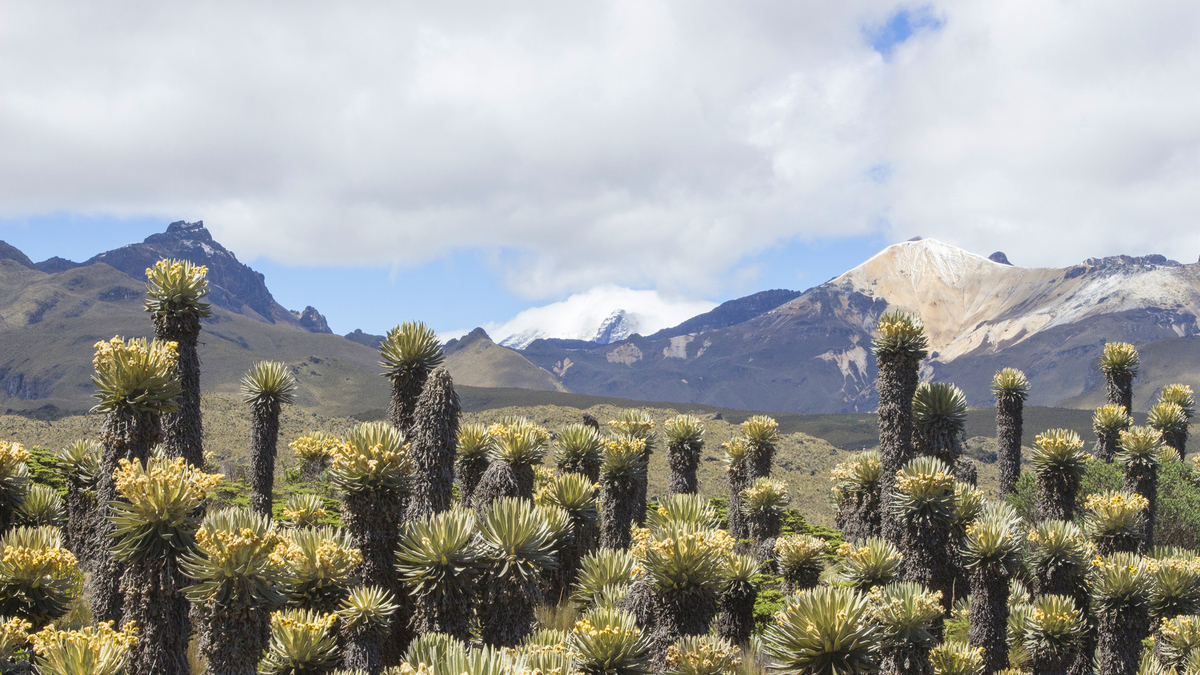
[[79, 463], [991, 554], [547, 650], [517, 444], [135, 377], [604, 575], [801, 560], [1182, 396], [14, 636], [38, 576], [431, 650], [939, 418], [703, 655], [474, 445], [685, 442], [152, 530], [407, 355], [762, 435], [576, 496], [320, 564], [580, 450], [1114, 520], [42, 506], [440, 566], [623, 469], [856, 485], [822, 630], [484, 660], [1120, 600], [1057, 459], [735, 614], [607, 641], [1138, 455], [266, 388], [1054, 634], [968, 504], [1019, 614], [899, 349], [304, 510], [517, 547], [302, 643], [738, 475], [683, 570], [1177, 637], [1108, 422], [14, 481], [763, 504], [363, 620], [87, 651], [924, 504], [682, 510], [314, 449], [1174, 587], [870, 563], [238, 583], [1011, 388], [1119, 363], [956, 658], [1057, 556], [1171, 422], [904, 613], [637, 424]]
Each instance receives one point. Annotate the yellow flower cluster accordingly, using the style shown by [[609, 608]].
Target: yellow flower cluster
[[136, 353], [1114, 502], [329, 561], [924, 483], [626, 443], [1035, 537], [1059, 443], [801, 547], [223, 546], [585, 627], [885, 610], [11, 455], [371, 462], [499, 430], [302, 621], [175, 268], [139, 485], [1180, 629], [14, 633], [421, 669], [303, 514], [703, 657], [37, 563], [640, 538], [901, 327], [315, 446], [1108, 566], [633, 427], [90, 639], [1044, 618], [861, 553]]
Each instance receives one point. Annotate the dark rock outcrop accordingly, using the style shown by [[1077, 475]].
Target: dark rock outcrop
[[56, 264], [999, 257], [730, 313], [312, 321], [365, 339]]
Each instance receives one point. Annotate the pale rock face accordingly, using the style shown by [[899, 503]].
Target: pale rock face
[[970, 302]]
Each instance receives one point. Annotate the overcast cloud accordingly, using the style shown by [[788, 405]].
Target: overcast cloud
[[642, 143]]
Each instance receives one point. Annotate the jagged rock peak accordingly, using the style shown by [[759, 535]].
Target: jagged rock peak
[[618, 326], [181, 229], [999, 257], [1152, 259], [312, 321]]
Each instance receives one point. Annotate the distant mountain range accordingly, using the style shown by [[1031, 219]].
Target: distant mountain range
[[776, 350]]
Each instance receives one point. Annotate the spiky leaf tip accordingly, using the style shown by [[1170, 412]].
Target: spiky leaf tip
[[1138, 445], [968, 503], [137, 375], [81, 460], [177, 287], [904, 612], [518, 441], [1119, 358], [1119, 581], [367, 606], [1167, 417], [1174, 586], [859, 474], [682, 509], [623, 459], [38, 577], [739, 568], [436, 558], [410, 352], [1055, 545], [601, 573], [609, 642], [939, 405], [1058, 450], [235, 563], [42, 506], [1056, 624], [302, 641], [993, 542], [1180, 635], [159, 514], [765, 495], [304, 510], [687, 563], [870, 563], [956, 658], [703, 655], [268, 382], [96, 651], [318, 563], [737, 450], [573, 493], [901, 335], [685, 430], [473, 440], [315, 446], [760, 430], [823, 630], [1181, 395], [517, 541], [373, 456], [1110, 419], [1114, 515], [1010, 384], [925, 491]]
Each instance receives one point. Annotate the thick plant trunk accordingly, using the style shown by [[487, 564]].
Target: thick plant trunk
[[989, 618], [738, 481], [403, 406], [503, 480], [1053, 661], [683, 459], [1106, 445], [264, 439], [363, 651], [507, 613], [125, 436], [640, 487], [763, 529], [436, 615], [434, 440], [1009, 427], [616, 511], [1119, 388], [1119, 643], [153, 598], [897, 382], [1056, 496], [858, 515], [470, 472], [677, 617], [924, 546], [759, 458], [183, 431], [232, 640], [906, 660], [373, 520], [82, 516], [1143, 480], [735, 621]]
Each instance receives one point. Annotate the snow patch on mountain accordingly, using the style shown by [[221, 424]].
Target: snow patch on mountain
[[604, 315]]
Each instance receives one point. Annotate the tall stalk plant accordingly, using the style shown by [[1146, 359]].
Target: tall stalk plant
[[1011, 388], [266, 389], [899, 350], [1119, 363], [1057, 459], [637, 424], [434, 438], [685, 442], [1107, 423], [1139, 457], [408, 354]]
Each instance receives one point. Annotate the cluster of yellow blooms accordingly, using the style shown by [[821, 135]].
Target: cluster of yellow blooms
[[626, 444], [1048, 620], [1141, 440], [406, 669], [1185, 629], [223, 546], [861, 553], [585, 627], [766, 493], [328, 561], [1115, 502], [924, 483], [96, 640], [302, 514], [135, 354], [633, 427], [146, 485], [315, 446], [1060, 443], [1035, 537], [31, 564], [903, 326], [703, 657], [1109, 567], [302, 621], [801, 547], [888, 610], [640, 538], [369, 462], [11, 455], [760, 428], [14, 633], [176, 269], [500, 430]]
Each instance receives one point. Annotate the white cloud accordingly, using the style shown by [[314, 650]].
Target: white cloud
[[580, 315], [648, 143]]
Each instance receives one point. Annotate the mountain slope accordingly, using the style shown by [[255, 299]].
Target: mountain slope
[[474, 360]]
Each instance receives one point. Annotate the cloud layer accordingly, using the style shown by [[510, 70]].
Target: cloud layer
[[646, 143]]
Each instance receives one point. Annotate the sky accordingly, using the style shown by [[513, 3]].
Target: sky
[[462, 162]]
